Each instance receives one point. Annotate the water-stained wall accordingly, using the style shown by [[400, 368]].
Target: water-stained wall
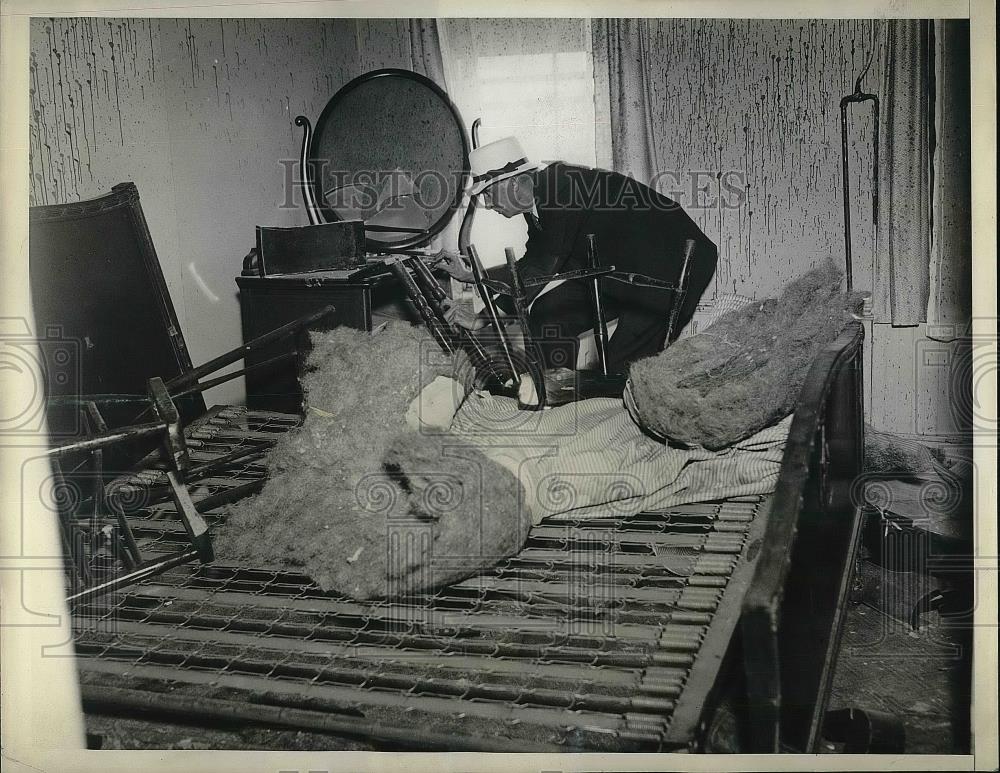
[[199, 114], [745, 134], [98, 118]]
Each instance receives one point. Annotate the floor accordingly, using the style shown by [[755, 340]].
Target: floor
[[906, 649], [919, 676]]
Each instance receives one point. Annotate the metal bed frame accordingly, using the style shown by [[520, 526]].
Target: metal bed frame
[[793, 611], [610, 635]]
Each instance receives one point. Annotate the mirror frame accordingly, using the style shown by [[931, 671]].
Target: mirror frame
[[328, 213]]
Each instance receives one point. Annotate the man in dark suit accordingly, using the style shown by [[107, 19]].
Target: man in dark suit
[[636, 229]]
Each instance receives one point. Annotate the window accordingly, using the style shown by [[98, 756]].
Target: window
[[530, 78]]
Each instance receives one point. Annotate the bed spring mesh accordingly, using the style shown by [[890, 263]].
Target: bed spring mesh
[[601, 634]]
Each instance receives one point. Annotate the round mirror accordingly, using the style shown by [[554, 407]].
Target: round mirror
[[390, 149]]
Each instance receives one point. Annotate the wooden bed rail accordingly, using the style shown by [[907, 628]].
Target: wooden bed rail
[[794, 608]]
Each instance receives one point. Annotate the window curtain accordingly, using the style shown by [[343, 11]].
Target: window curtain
[[425, 50], [622, 62], [951, 253], [408, 44], [906, 137], [532, 78]]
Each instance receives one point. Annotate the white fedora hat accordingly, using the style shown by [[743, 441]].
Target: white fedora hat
[[497, 161]]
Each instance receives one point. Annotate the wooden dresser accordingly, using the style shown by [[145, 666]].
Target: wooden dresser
[[269, 302]]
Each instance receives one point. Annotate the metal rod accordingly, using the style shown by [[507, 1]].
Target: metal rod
[[102, 699], [71, 542], [536, 369], [857, 97], [608, 272], [479, 275], [103, 399], [132, 551], [191, 376], [206, 385], [109, 439], [682, 283], [96, 425], [847, 190], [641, 280], [875, 167], [241, 454], [600, 322], [577, 273], [137, 575], [229, 495]]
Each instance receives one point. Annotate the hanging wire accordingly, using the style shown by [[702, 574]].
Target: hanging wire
[[871, 57]]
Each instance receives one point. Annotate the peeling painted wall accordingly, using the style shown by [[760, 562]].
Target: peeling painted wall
[[199, 114], [98, 119], [758, 102], [236, 87]]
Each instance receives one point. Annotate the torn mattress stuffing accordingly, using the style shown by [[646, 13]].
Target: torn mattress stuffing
[[370, 507]]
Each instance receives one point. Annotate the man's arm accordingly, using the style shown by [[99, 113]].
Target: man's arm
[[545, 253]]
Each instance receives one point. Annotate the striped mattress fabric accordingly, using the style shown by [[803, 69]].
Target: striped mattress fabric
[[587, 458], [708, 312]]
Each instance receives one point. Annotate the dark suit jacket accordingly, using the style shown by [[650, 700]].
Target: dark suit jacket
[[637, 229]]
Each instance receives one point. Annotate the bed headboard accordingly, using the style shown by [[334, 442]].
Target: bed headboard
[[793, 610]]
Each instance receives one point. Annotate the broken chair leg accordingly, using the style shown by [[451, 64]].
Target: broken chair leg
[[479, 276], [71, 537], [195, 526], [537, 401], [680, 294], [142, 572], [192, 376], [600, 322], [481, 361], [175, 454], [125, 540], [177, 461]]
